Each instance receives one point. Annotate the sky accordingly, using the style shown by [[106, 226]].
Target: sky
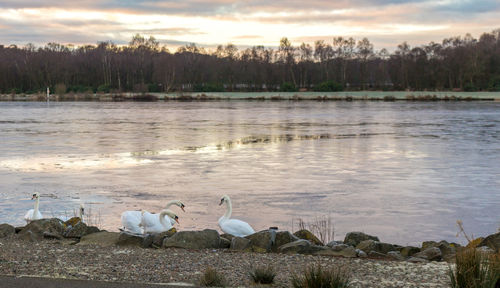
[[386, 23]]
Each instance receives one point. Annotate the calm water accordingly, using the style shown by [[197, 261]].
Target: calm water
[[403, 171]]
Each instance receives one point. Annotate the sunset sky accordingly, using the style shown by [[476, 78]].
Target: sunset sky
[[385, 23]]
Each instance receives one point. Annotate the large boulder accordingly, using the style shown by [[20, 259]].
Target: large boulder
[[354, 238], [37, 229], [207, 238], [269, 240], [300, 246], [348, 252], [430, 254], [370, 245], [6, 230], [308, 235], [396, 255], [409, 251], [224, 243], [239, 243], [492, 241], [159, 237], [126, 239], [103, 238], [79, 230]]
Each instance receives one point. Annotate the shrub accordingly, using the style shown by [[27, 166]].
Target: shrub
[[263, 275], [208, 87], [212, 278], [288, 87], [104, 88], [322, 227], [328, 86], [316, 277]]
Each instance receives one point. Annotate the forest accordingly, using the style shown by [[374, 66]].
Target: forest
[[457, 64]]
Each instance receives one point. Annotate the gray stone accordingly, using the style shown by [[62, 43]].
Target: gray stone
[[354, 238], [409, 251], [159, 237], [417, 260], [269, 240], [396, 255], [29, 236], [48, 235], [301, 246], [239, 243], [227, 236], [371, 245], [6, 230], [377, 255], [334, 243], [431, 254], [126, 239], [348, 252], [224, 243], [207, 238], [103, 238], [339, 247], [38, 228], [428, 244], [307, 235], [485, 250], [79, 230], [361, 253], [147, 241], [492, 241]]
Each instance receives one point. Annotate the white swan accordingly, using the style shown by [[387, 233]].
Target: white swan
[[81, 213], [156, 223], [34, 214], [131, 220], [234, 227]]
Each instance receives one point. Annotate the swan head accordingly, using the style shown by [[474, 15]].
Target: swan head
[[181, 205], [224, 199], [35, 195], [82, 209], [172, 215]]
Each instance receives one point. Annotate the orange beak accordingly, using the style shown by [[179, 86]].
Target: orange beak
[[177, 220]]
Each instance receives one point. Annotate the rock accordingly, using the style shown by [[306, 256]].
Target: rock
[[485, 250], [431, 254], [269, 240], [73, 221], [417, 260], [348, 252], [227, 236], [40, 227], [492, 241], [339, 247], [239, 243], [48, 235], [334, 243], [224, 243], [396, 255], [79, 230], [6, 230], [428, 244], [409, 251], [447, 250], [207, 238], [307, 235], [147, 241], [354, 238], [300, 246], [29, 236], [126, 239], [361, 253], [159, 237], [103, 238], [377, 255], [19, 229], [371, 245]]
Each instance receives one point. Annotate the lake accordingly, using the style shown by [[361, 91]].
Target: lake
[[404, 171]]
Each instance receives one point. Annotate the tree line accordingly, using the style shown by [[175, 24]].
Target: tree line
[[458, 63]]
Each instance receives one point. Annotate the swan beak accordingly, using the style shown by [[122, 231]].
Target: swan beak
[[177, 220], [221, 202], [33, 197], [182, 207]]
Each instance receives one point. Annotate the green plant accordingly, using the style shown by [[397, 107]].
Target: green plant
[[212, 278], [328, 86], [317, 277], [263, 275], [288, 87]]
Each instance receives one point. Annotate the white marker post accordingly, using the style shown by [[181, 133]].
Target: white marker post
[[48, 94]]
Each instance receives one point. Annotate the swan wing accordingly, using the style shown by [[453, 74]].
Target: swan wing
[[152, 223], [29, 215], [236, 227], [131, 221]]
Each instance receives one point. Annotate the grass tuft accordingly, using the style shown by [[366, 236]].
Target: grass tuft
[[212, 278], [317, 277], [263, 275], [322, 227]]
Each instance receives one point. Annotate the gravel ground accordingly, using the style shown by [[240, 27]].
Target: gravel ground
[[56, 259]]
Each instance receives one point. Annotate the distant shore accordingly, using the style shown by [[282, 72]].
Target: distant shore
[[263, 96]]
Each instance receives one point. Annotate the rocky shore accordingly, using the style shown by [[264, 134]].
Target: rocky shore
[[52, 248]]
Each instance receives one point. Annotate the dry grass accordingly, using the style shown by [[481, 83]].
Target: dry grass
[[263, 275], [212, 278], [317, 277], [473, 269], [321, 226]]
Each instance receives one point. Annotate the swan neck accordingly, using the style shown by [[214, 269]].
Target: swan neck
[[170, 203], [162, 218], [229, 209], [35, 210]]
